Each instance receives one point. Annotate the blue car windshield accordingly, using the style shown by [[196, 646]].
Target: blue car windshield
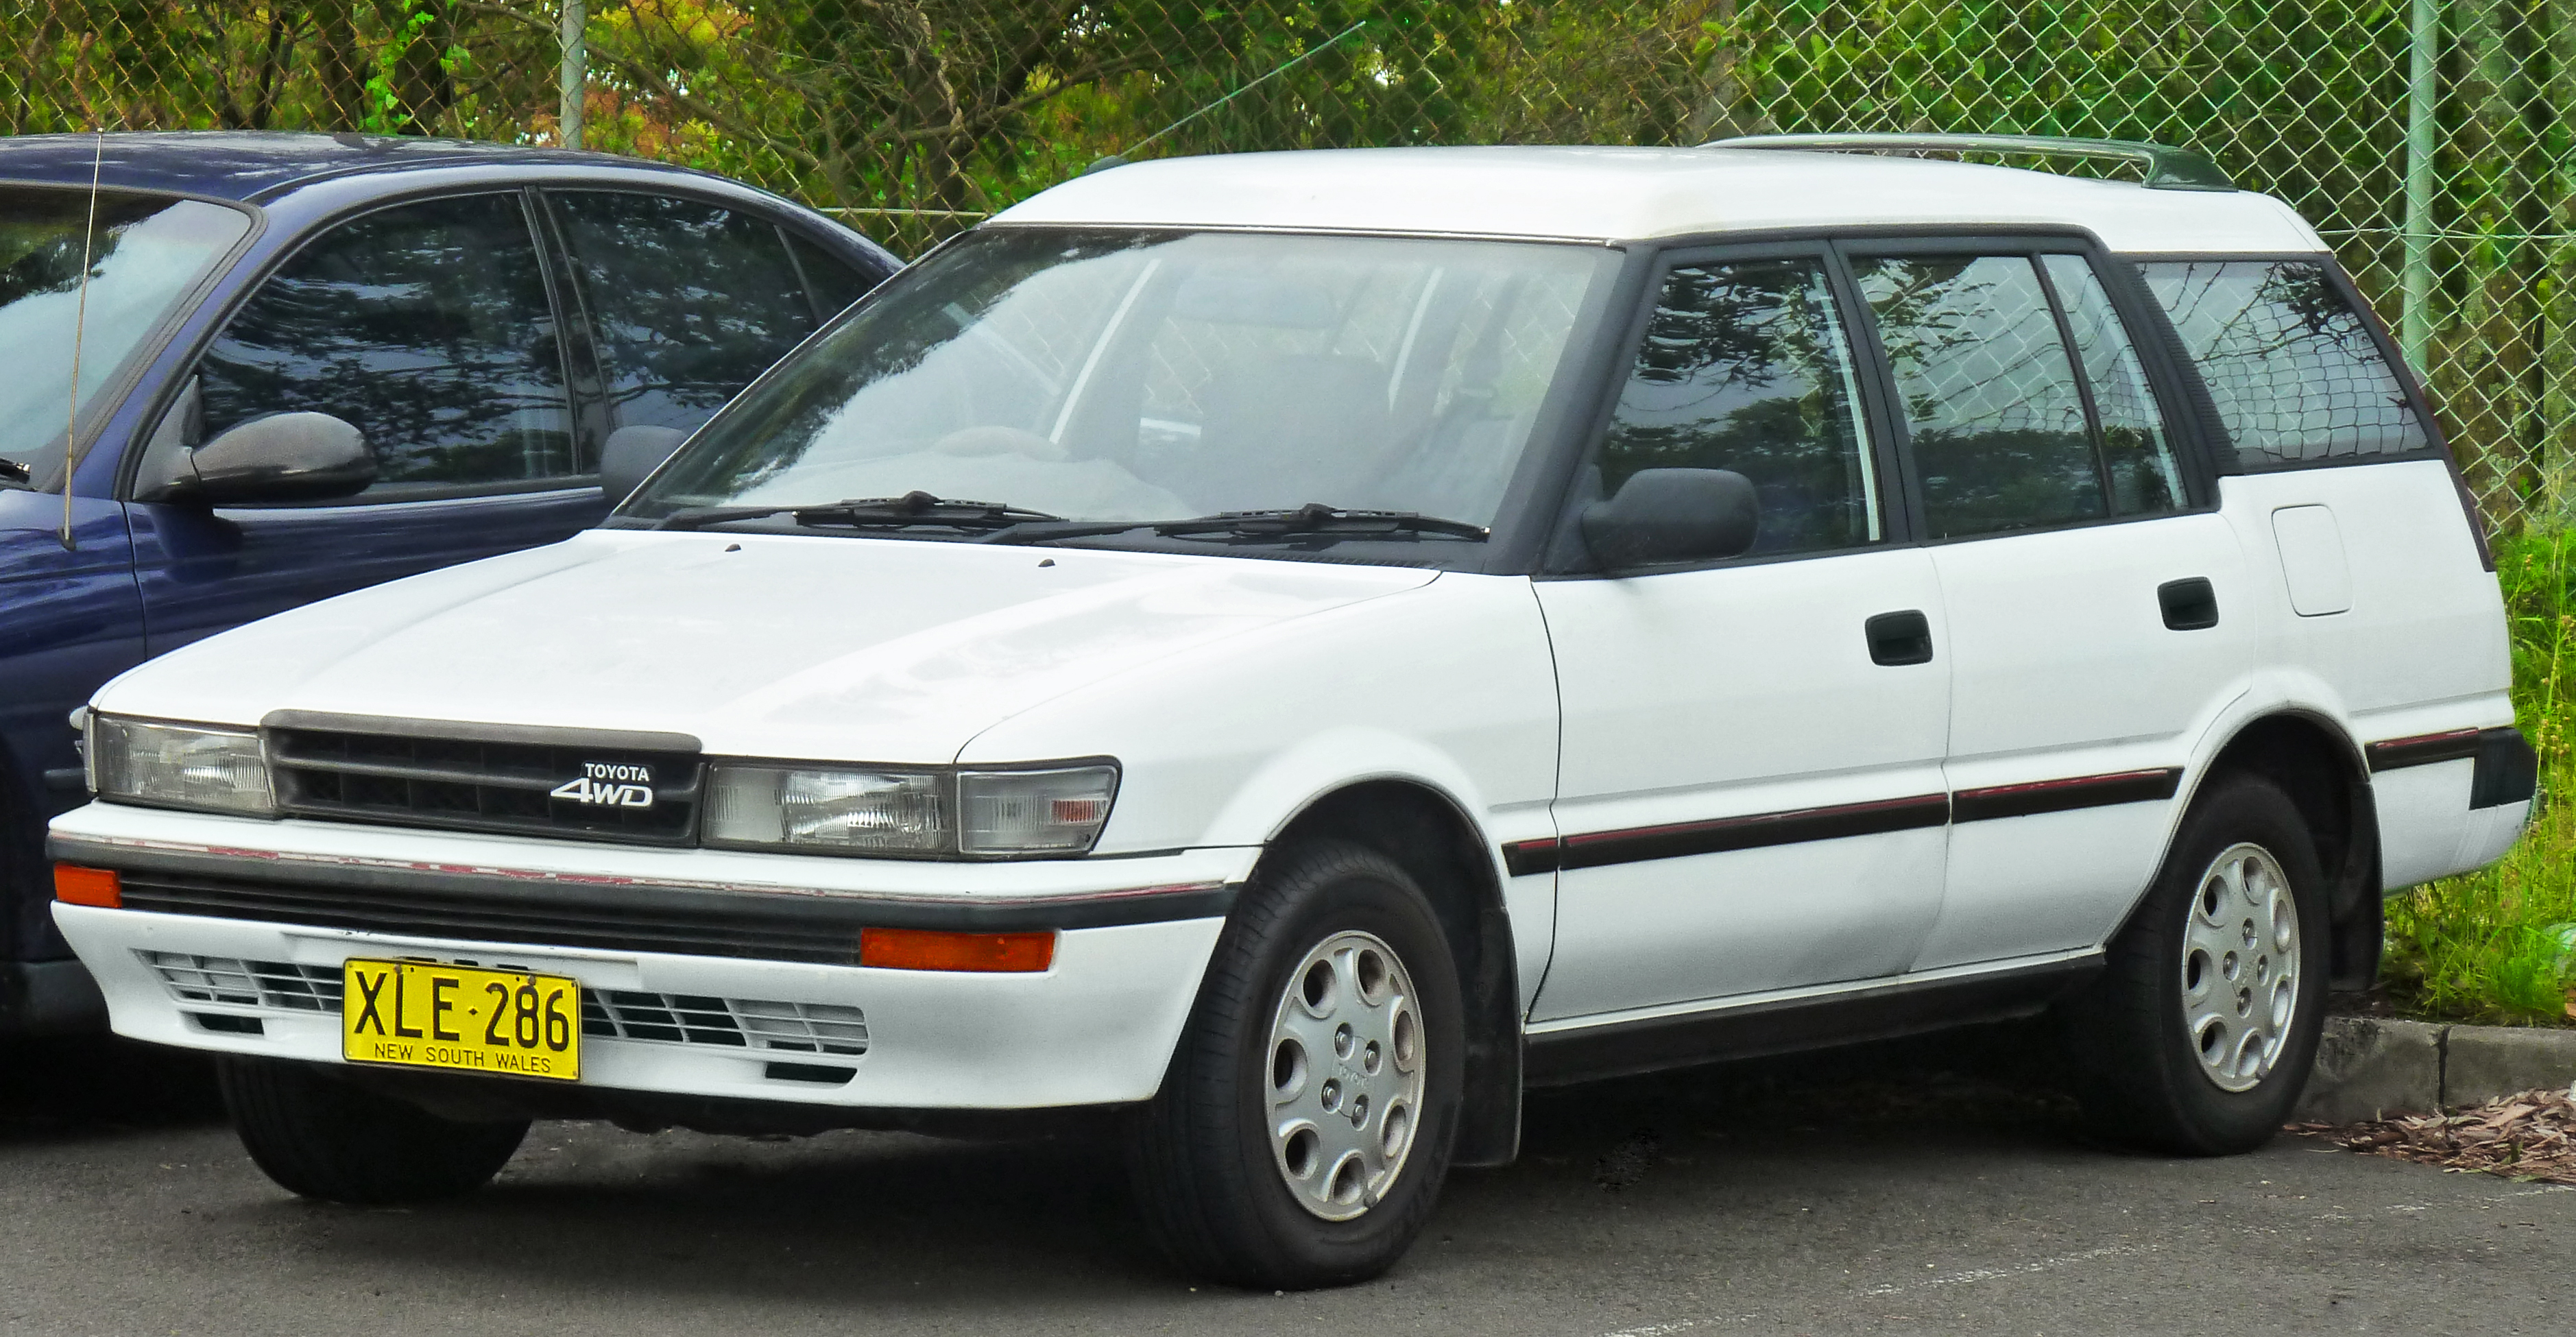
[[146, 253], [1112, 375]]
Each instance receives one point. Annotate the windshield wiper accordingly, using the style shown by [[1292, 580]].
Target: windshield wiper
[[1313, 519], [912, 508], [1317, 518]]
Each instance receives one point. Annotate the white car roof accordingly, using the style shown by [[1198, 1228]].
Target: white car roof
[[1617, 193]]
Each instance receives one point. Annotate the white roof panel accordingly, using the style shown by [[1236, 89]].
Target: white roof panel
[[1636, 193]]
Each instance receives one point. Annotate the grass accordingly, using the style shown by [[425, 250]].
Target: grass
[[2486, 947]]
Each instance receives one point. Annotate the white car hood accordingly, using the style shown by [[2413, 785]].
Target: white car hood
[[758, 645]]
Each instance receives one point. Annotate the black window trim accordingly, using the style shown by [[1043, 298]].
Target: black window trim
[[585, 369], [1566, 558], [789, 225], [250, 286], [804, 281], [2169, 377], [2083, 375], [2141, 318], [2418, 401]]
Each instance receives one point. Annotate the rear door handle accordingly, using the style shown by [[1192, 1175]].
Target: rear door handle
[[1900, 638], [2190, 604]]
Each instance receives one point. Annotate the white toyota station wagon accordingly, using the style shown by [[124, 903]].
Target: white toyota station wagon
[[1269, 657]]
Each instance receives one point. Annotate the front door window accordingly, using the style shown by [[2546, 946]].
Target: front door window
[[426, 326]]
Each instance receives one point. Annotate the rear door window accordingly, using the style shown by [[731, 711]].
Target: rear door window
[[2292, 367], [689, 301], [834, 283], [1990, 399], [427, 327]]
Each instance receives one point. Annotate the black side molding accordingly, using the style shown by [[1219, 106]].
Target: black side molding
[[2423, 749], [1751, 831], [2083, 791], [1594, 849]]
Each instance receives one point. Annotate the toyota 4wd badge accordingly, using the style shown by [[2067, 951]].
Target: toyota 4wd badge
[[605, 785]]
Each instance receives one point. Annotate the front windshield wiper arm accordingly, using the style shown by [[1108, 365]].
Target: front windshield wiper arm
[[1312, 519], [912, 508], [1317, 518]]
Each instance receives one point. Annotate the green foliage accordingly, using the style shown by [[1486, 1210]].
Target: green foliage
[[2479, 947]]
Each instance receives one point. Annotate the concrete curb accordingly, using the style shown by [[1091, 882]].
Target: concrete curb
[[2369, 1068]]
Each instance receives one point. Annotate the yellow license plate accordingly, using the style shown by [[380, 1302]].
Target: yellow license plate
[[425, 1015]]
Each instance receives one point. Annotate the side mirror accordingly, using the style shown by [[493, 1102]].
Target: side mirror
[[282, 457], [1673, 515], [631, 454]]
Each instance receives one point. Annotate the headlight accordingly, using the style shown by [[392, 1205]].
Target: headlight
[[989, 814], [895, 812], [178, 765]]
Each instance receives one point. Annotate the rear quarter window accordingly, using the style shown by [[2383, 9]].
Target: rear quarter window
[[2292, 367]]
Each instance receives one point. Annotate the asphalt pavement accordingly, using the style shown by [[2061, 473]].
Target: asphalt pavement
[[1890, 1190]]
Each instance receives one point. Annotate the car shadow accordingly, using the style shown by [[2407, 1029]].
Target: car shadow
[[875, 1219], [68, 1088]]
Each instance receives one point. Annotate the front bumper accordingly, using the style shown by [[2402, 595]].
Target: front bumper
[[715, 975]]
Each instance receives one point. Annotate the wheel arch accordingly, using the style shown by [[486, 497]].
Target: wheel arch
[[2314, 761], [1430, 834]]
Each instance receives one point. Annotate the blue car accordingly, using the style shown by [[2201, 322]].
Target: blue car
[[310, 363]]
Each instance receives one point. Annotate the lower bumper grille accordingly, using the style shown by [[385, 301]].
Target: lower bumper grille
[[744, 1023], [610, 1014], [239, 983]]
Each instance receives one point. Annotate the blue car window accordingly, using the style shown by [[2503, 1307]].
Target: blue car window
[[834, 284], [144, 253], [690, 302], [427, 327]]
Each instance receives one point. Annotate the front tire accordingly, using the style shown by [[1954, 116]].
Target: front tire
[[1306, 1123], [333, 1140], [2198, 1036]]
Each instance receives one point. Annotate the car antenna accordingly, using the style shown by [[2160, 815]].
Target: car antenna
[[1119, 159], [80, 322]]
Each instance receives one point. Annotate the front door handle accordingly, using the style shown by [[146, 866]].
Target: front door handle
[[2189, 605], [1900, 638]]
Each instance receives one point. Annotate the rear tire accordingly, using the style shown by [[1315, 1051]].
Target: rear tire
[[1306, 1122], [2198, 1035], [334, 1140]]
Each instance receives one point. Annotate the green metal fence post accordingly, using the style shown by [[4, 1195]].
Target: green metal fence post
[[2422, 89], [576, 74]]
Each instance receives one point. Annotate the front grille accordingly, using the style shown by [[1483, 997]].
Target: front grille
[[224, 979], [609, 1014], [621, 924], [483, 785]]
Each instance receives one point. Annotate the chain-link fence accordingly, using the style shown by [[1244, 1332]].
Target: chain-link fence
[[2433, 141]]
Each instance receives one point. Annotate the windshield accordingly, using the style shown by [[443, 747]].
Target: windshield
[[146, 253], [1097, 375]]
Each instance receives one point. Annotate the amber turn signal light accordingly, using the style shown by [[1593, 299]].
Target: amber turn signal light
[[923, 949], [75, 885]]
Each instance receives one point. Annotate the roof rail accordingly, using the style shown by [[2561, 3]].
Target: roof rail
[[2167, 168]]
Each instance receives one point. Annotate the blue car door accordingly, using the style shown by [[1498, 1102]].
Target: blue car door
[[70, 623], [433, 326]]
